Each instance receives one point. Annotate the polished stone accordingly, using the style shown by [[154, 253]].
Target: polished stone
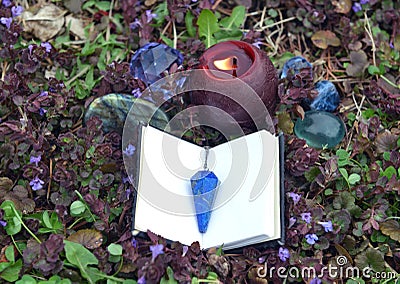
[[320, 129], [295, 64], [204, 186], [112, 109], [328, 97], [150, 61]]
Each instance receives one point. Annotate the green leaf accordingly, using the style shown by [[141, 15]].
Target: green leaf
[[46, 219], [344, 173], [89, 80], [77, 208], [207, 23], [212, 276], [102, 5], [167, 40], [354, 178], [191, 30], [81, 257], [371, 258], [9, 253], [389, 172], [11, 273], [236, 19], [374, 70], [221, 36], [355, 281], [129, 281], [26, 279], [171, 279], [115, 249], [162, 11]]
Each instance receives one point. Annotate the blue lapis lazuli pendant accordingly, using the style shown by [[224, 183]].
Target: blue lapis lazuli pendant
[[204, 187]]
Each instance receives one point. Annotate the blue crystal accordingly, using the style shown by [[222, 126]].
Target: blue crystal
[[204, 186], [296, 64], [328, 97], [150, 61], [320, 129]]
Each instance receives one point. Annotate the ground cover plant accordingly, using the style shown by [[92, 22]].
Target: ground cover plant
[[65, 199]]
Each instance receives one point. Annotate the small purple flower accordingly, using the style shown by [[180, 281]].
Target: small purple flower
[[47, 46], [135, 24], [30, 47], [295, 196], [6, 21], [3, 223], [306, 217], [363, 2], [44, 94], [357, 7], [6, 3], [257, 44], [316, 280], [262, 259], [150, 16], [137, 93], [134, 242], [327, 226], [156, 250], [36, 183], [283, 253], [292, 221], [391, 45], [130, 150], [35, 159], [311, 238], [141, 280], [42, 111], [16, 11], [184, 250]]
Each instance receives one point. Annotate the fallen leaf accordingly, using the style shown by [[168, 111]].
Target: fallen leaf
[[355, 45], [89, 238], [391, 228], [299, 111], [77, 26], [5, 184], [323, 39], [385, 142], [44, 23], [150, 2], [73, 5], [359, 62], [342, 6], [285, 123]]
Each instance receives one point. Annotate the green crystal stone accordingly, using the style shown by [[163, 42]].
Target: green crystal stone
[[113, 109], [320, 129]]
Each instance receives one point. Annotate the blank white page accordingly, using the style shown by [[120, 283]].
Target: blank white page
[[164, 203], [249, 170]]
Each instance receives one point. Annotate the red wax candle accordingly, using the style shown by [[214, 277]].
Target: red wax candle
[[246, 62]]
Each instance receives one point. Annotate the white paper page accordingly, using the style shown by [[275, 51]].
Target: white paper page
[[164, 203], [240, 218]]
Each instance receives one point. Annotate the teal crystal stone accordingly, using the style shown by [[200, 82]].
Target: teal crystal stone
[[320, 129], [204, 186], [112, 109]]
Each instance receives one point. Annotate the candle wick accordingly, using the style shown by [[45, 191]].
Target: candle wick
[[234, 66]]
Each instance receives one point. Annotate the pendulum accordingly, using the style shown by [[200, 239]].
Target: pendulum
[[204, 186]]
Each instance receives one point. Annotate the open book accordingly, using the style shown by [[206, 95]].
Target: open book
[[248, 207]]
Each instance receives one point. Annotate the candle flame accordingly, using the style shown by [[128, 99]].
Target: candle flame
[[226, 64]]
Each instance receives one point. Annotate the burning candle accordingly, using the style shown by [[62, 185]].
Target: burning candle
[[240, 60]]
